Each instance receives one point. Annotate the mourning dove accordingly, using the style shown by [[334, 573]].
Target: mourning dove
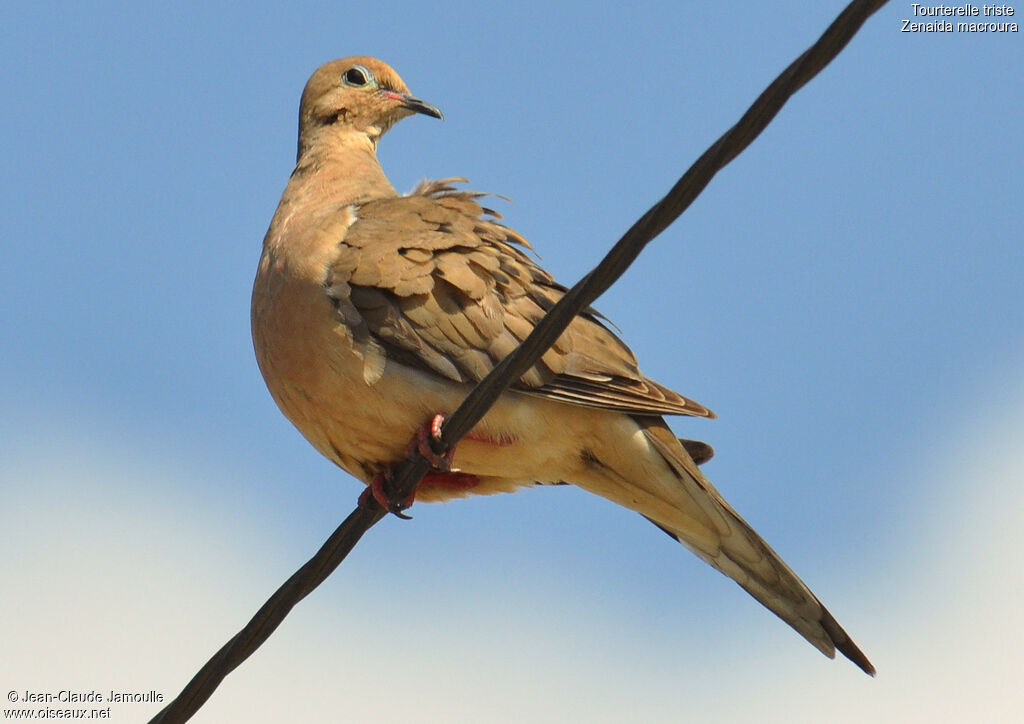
[[372, 312]]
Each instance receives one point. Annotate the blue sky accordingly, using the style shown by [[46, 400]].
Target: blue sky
[[846, 296]]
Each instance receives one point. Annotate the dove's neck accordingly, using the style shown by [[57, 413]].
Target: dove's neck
[[340, 169], [329, 181]]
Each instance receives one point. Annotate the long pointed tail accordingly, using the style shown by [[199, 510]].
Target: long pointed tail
[[745, 557]]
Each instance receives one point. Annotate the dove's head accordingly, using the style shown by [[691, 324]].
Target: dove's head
[[359, 95]]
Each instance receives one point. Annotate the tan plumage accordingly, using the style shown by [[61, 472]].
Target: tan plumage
[[372, 311]]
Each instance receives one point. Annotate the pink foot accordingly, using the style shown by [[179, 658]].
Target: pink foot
[[375, 490], [423, 440], [440, 476]]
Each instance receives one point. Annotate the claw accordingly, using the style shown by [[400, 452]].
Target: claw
[[423, 443], [376, 490]]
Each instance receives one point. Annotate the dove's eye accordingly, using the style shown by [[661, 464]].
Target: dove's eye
[[356, 76]]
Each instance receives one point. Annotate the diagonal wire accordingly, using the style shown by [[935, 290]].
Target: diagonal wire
[[476, 404], [628, 248]]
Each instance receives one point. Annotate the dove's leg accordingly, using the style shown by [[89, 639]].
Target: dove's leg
[[422, 442], [441, 476]]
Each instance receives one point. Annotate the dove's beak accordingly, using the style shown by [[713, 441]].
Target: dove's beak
[[414, 104]]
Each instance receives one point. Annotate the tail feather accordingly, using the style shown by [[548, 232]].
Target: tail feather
[[701, 452], [745, 557]]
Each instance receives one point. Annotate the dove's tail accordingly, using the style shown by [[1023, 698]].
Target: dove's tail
[[687, 507], [746, 558]]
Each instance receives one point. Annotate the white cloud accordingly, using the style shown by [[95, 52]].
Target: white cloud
[[114, 582]]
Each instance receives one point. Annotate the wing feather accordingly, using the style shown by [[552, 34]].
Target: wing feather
[[433, 280]]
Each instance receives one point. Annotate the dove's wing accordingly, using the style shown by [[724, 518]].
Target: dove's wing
[[433, 281]]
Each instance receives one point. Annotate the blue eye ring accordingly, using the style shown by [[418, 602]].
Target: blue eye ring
[[357, 76]]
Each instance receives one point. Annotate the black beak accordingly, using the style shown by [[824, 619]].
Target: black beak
[[415, 104]]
